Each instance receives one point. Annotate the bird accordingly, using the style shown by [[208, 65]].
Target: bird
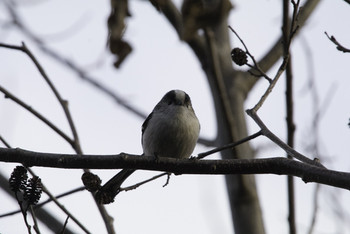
[[170, 130]]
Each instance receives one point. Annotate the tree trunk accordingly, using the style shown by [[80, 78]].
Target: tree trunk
[[229, 95]]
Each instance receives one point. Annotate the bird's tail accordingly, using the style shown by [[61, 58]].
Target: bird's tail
[[107, 192]]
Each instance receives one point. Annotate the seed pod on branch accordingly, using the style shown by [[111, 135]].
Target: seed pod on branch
[[239, 56], [33, 190], [18, 179]]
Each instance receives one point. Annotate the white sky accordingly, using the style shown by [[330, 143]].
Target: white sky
[[159, 63]]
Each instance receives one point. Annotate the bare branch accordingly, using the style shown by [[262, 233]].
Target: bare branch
[[75, 143], [318, 112], [315, 210], [65, 225], [272, 84], [283, 66], [54, 199], [35, 226], [45, 202], [4, 142], [290, 151], [287, 34], [228, 146], [276, 51], [143, 182], [69, 214], [94, 82], [36, 114], [277, 165], [256, 65], [339, 46], [42, 214]]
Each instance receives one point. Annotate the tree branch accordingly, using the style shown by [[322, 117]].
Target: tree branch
[[290, 151], [49, 220], [94, 82], [276, 51], [277, 165], [36, 114], [256, 65], [50, 195], [228, 146], [74, 143], [287, 33], [41, 204], [339, 46]]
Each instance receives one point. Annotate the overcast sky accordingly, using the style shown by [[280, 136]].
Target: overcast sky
[[160, 62]]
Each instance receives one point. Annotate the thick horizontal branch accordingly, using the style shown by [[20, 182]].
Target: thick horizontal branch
[[278, 165]]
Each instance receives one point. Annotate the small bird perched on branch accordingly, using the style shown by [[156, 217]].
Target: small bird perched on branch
[[171, 130]]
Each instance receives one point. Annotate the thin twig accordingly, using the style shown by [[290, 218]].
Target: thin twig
[[256, 65], [276, 51], [339, 46], [16, 20], [65, 225], [143, 182], [318, 111], [42, 214], [52, 197], [45, 202], [74, 143], [83, 75], [35, 226], [287, 34], [272, 84], [285, 61], [65, 210], [294, 26], [63, 103], [228, 146], [167, 180], [36, 114], [290, 151], [314, 210], [24, 212], [4, 142]]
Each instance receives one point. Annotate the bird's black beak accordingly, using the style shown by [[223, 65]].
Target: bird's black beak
[[178, 102]]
